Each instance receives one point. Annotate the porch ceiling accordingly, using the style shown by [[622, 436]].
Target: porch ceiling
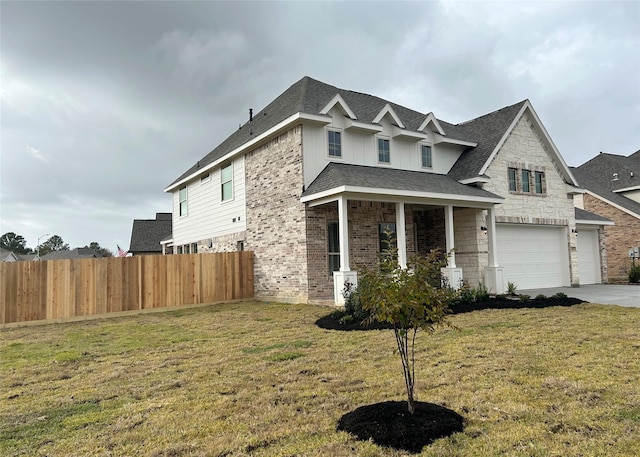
[[390, 184]]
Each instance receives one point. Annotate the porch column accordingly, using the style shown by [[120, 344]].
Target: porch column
[[491, 235], [493, 274], [452, 274], [344, 275], [448, 229], [401, 235], [343, 229]]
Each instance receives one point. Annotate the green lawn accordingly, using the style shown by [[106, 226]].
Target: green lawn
[[262, 380]]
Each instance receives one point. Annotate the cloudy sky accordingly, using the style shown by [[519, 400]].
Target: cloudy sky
[[103, 104]]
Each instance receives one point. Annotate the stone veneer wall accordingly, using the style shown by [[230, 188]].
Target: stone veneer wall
[[618, 239], [471, 244], [525, 147], [276, 219]]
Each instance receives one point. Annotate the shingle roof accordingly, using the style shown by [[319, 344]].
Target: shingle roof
[[310, 96], [343, 174], [77, 253], [589, 216], [146, 234], [597, 176], [485, 130]]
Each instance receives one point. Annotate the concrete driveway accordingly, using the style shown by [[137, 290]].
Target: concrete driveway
[[604, 294]]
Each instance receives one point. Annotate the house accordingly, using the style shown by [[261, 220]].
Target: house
[[77, 253], [8, 256], [612, 191], [151, 236], [311, 183]]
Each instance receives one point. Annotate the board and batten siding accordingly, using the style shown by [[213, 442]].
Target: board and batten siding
[[361, 148], [207, 216]]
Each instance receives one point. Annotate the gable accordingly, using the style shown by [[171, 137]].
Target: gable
[[523, 149]]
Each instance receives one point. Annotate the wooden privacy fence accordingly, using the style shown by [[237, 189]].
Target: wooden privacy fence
[[67, 288]]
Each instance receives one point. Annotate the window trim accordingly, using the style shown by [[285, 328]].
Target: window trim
[[329, 143], [333, 254], [514, 181], [384, 139], [543, 189], [223, 182], [185, 201], [526, 181], [421, 147]]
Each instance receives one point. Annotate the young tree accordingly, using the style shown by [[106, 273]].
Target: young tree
[[55, 243], [14, 243], [410, 299]]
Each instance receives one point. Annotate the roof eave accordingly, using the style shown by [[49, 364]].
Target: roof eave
[[298, 117], [394, 195]]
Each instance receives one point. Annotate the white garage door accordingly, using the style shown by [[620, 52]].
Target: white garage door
[[533, 256], [588, 257]]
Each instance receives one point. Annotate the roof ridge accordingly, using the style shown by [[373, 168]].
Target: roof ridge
[[494, 112]]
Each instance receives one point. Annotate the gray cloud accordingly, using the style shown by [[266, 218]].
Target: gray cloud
[[105, 103]]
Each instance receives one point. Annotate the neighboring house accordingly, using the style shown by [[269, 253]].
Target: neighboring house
[[77, 253], [612, 190], [8, 256], [311, 182], [148, 235]]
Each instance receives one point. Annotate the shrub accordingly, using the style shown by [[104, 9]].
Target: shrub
[[467, 294], [353, 310], [634, 273], [560, 296], [482, 293], [511, 288], [524, 298], [501, 296], [541, 297]]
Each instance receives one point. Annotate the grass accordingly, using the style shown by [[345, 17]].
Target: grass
[[262, 380]]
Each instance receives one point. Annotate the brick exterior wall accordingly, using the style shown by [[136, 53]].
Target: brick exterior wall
[[526, 148], [276, 218], [618, 239], [364, 218]]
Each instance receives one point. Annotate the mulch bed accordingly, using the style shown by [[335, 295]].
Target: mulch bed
[[332, 321], [390, 424]]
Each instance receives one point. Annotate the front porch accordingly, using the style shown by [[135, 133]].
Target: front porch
[[347, 232]]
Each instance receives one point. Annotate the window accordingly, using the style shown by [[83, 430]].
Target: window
[[539, 180], [205, 178], [179, 250], [186, 249], [526, 176], [333, 246], [426, 156], [335, 145], [387, 236], [194, 248], [226, 179], [383, 151], [513, 184], [182, 197]]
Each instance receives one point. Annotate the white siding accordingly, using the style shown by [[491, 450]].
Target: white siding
[[361, 148], [207, 216]]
